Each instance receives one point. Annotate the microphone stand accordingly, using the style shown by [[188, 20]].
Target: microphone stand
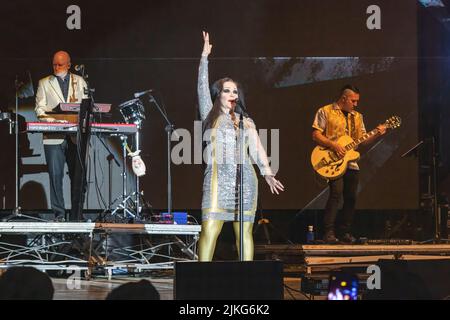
[[240, 108], [169, 130], [16, 131], [17, 210], [240, 168], [437, 215]]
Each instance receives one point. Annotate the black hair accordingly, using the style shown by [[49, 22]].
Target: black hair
[[349, 87], [25, 283], [215, 90], [142, 290]]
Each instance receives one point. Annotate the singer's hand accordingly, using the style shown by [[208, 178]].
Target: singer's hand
[[206, 46], [274, 184]]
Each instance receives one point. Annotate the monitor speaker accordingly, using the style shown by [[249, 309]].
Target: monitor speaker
[[221, 280]]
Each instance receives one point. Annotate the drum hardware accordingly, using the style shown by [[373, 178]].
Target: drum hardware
[[133, 112]]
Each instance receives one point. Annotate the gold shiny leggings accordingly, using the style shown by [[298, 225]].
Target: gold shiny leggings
[[210, 232]]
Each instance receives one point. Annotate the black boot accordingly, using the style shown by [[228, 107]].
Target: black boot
[[330, 238]]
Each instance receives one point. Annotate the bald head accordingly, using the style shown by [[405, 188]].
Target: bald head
[[62, 55], [61, 63]]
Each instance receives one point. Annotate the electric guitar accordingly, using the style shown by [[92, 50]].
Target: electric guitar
[[330, 165]]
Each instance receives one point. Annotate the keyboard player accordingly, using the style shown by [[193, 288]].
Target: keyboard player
[[60, 87]]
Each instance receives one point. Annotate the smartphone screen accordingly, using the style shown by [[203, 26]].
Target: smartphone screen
[[343, 286]]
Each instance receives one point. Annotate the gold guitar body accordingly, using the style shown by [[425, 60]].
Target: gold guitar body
[[328, 164]]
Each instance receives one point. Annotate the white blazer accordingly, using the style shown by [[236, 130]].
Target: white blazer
[[49, 95]]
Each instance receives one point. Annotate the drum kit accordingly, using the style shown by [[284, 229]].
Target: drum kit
[[133, 112]]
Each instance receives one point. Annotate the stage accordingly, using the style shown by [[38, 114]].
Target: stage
[[86, 250], [136, 145]]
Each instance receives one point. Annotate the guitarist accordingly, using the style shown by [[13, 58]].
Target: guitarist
[[332, 122]]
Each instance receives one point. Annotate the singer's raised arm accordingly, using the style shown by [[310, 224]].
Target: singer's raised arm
[[204, 97]]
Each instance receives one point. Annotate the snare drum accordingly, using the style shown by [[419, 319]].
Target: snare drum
[[132, 111]]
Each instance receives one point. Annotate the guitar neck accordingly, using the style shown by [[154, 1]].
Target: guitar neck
[[366, 136]]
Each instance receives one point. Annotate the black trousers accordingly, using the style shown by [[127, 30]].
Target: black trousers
[[345, 187], [57, 156]]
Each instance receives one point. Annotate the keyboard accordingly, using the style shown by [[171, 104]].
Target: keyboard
[[55, 127], [75, 107]]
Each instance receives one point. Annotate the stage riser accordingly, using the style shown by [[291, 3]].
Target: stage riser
[[291, 225]]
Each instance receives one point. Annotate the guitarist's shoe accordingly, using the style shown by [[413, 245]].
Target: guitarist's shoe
[[330, 237], [348, 238]]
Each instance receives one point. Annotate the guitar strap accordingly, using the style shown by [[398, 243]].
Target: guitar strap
[[353, 131], [350, 125]]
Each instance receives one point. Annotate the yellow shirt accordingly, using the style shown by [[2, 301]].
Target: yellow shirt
[[332, 122]]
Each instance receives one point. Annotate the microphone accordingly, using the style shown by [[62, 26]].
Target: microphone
[[142, 93], [79, 67], [239, 108]]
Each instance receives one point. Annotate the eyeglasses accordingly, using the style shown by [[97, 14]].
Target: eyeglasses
[[228, 91]]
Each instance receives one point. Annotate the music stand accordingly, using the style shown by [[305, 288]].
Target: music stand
[[437, 218], [413, 150]]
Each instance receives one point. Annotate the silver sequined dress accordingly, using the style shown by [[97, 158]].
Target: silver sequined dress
[[220, 197]]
